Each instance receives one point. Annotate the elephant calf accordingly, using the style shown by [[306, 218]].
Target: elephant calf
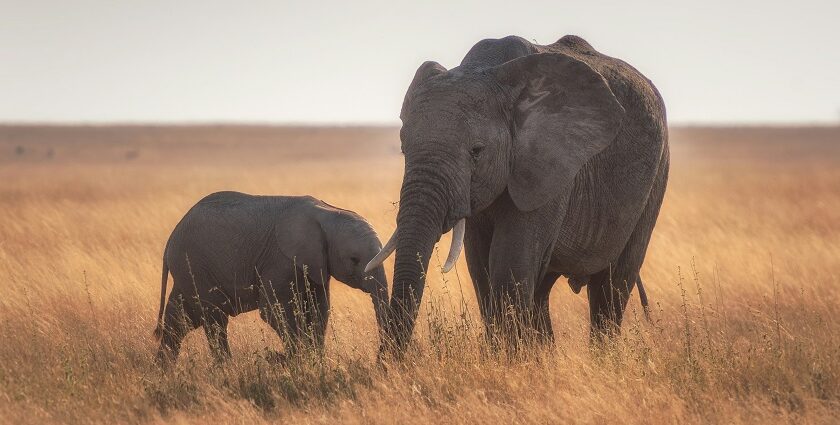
[[234, 253]]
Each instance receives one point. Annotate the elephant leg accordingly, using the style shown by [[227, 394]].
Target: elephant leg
[[511, 304], [518, 257], [295, 307], [542, 319], [277, 310], [609, 290], [215, 328], [319, 314], [310, 308], [179, 318], [477, 241], [281, 317], [515, 270]]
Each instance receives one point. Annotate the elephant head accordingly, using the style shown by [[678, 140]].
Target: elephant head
[[351, 244], [470, 134]]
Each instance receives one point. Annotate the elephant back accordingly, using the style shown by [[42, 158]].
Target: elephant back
[[496, 51]]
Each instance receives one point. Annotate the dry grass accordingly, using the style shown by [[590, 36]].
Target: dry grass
[[743, 270]]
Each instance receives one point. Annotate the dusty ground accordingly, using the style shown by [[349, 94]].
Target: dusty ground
[[743, 270]]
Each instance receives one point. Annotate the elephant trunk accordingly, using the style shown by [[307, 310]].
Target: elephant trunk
[[425, 211], [379, 297]]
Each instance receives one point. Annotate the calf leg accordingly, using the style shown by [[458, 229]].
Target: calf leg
[[215, 328], [178, 320]]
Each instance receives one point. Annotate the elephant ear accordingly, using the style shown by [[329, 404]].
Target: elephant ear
[[564, 113], [305, 247], [426, 71]]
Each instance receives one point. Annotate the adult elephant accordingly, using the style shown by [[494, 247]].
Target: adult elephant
[[547, 161]]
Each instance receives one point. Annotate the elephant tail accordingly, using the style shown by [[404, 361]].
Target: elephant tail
[[643, 298], [159, 329]]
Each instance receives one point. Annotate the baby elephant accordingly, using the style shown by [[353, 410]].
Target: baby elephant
[[233, 253]]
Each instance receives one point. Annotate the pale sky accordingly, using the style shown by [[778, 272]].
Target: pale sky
[[714, 61]]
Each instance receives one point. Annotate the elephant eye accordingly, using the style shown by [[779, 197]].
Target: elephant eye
[[476, 150], [355, 261]]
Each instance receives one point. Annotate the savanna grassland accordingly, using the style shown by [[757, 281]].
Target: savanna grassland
[[743, 273]]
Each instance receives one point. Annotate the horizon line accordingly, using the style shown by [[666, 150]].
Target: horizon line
[[354, 124]]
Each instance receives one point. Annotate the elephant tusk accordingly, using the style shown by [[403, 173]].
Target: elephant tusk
[[384, 253], [457, 244]]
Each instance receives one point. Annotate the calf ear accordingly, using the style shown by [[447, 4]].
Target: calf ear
[[564, 113], [306, 247]]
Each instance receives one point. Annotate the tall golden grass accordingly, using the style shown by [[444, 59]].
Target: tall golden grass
[[743, 273]]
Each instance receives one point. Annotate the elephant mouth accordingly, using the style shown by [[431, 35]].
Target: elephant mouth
[[458, 232], [450, 224], [459, 229], [455, 215]]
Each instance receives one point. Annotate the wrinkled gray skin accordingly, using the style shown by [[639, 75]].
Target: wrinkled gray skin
[[558, 158], [241, 252]]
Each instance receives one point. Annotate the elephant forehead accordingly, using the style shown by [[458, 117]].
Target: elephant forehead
[[433, 122], [449, 93]]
